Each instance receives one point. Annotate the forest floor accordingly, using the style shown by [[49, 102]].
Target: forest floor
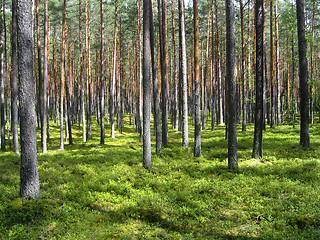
[[90, 191]]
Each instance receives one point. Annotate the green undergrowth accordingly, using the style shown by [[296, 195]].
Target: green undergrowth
[[93, 191]]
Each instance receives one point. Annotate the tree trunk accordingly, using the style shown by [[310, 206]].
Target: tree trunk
[[258, 126], [102, 86], [272, 89], [163, 63], [157, 114], [2, 100], [303, 76], [114, 67], [243, 79], [197, 132], [183, 78], [232, 86], [146, 84], [82, 90], [14, 83], [29, 178], [44, 111]]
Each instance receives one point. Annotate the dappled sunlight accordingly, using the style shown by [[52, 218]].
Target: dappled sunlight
[[93, 191]]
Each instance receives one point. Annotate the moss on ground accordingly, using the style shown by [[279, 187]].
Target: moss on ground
[[90, 191]]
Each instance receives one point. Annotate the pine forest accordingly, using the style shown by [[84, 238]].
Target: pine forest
[[140, 119]]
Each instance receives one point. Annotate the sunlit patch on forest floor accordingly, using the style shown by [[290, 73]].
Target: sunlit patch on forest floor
[[90, 191]]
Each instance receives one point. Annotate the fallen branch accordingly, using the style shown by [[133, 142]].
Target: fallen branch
[[258, 217]]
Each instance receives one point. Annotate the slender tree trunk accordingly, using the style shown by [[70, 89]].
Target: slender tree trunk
[[140, 76], [303, 76], [29, 178], [183, 78], [218, 67], [213, 81], [156, 102], [312, 87], [14, 83], [243, 79], [205, 74], [2, 100], [81, 73], [175, 107], [62, 82], [163, 62], [197, 132], [114, 67], [146, 84], [102, 86], [258, 126], [278, 85], [232, 86], [272, 102], [44, 111]]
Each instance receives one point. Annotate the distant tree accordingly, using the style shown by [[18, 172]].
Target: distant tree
[[232, 86], [29, 178], [258, 125], [303, 76], [197, 123], [146, 84], [14, 82]]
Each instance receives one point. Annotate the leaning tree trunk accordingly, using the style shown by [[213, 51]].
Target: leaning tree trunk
[[258, 126], [232, 86], [303, 76], [29, 178]]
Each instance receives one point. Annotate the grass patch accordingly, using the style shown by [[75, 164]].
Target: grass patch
[[90, 191]]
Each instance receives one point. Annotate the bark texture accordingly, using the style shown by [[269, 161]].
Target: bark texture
[[146, 84], [303, 77], [14, 82], [258, 125], [29, 178], [232, 86]]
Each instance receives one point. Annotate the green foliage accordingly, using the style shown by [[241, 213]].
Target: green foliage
[[92, 191]]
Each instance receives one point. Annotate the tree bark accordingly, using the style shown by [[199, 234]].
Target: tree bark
[[156, 102], [232, 86], [303, 77], [2, 100], [114, 67], [243, 79], [14, 82], [163, 63], [258, 126], [146, 84], [197, 132], [183, 74], [29, 178], [102, 86]]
